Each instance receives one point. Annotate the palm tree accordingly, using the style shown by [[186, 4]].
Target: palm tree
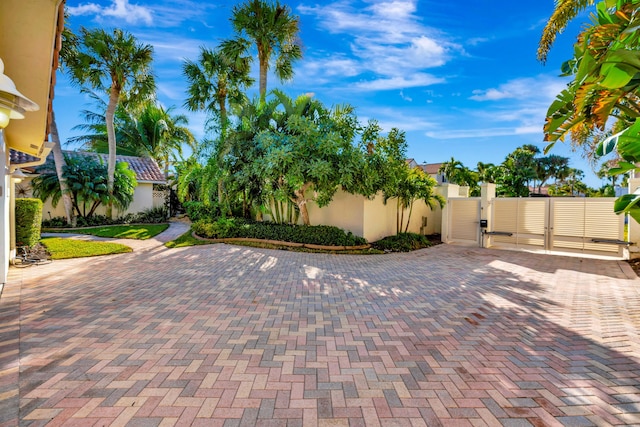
[[452, 170], [215, 80], [116, 63], [156, 133], [67, 48], [565, 11], [273, 30]]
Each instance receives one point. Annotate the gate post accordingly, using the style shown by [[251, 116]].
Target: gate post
[[633, 230], [447, 191], [487, 194]]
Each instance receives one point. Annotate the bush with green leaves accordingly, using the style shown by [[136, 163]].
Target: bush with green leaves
[[311, 234], [197, 211], [402, 242], [28, 221], [156, 215]]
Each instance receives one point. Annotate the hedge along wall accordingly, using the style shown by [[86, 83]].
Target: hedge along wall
[[28, 221]]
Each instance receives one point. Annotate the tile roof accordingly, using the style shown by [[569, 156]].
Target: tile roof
[[431, 168], [146, 169]]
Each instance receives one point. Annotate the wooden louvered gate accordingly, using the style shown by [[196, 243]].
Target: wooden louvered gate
[[465, 221], [585, 225]]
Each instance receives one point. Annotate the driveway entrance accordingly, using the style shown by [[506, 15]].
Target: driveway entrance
[[224, 335]]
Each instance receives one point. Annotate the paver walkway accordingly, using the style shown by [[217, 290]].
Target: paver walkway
[[223, 335]]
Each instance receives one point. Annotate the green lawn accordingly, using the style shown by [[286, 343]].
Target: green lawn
[[138, 232], [72, 248]]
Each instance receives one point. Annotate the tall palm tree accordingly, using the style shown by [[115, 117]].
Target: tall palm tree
[[565, 11], [116, 63], [273, 30], [67, 48], [216, 79]]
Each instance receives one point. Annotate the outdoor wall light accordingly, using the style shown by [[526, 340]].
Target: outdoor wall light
[[12, 103]]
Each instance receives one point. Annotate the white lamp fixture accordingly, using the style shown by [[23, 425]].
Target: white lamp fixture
[[12, 103]]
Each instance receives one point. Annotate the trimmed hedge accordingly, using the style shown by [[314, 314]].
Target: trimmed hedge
[[402, 242], [28, 221], [224, 228]]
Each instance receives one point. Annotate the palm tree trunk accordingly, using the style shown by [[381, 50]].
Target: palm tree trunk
[[406, 228], [114, 96], [264, 64], [61, 163]]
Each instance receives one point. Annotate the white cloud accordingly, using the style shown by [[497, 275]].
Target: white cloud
[[399, 82], [484, 132], [405, 97], [388, 42], [529, 88], [121, 9]]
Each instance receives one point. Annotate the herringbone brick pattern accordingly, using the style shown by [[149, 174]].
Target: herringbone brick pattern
[[231, 336]]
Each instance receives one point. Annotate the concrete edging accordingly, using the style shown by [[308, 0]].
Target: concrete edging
[[283, 243]]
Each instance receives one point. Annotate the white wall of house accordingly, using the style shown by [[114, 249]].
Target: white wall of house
[[5, 180], [142, 200]]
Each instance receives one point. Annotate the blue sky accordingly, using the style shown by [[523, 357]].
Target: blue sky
[[460, 78]]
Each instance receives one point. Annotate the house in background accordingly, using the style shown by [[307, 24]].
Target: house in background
[[29, 46], [146, 195], [431, 169]]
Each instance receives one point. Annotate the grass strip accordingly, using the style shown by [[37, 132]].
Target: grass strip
[[136, 231], [71, 248]]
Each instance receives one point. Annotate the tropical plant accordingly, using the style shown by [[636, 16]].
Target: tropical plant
[[606, 72], [564, 11], [273, 30], [516, 171], [116, 63], [87, 180], [310, 154], [414, 185], [215, 80]]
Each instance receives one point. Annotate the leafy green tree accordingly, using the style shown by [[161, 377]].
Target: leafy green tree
[[243, 180], [547, 167], [516, 171], [87, 181], [311, 156], [273, 30], [116, 63], [486, 172], [571, 185]]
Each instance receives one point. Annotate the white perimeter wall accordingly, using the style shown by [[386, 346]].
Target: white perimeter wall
[[372, 219]]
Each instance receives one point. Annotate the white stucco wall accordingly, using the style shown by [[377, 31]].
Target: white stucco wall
[[379, 219], [4, 209], [142, 200], [345, 211]]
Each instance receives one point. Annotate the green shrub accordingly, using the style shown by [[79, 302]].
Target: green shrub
[[149, 216], [197, 211], [402, 242], [312, 234], [28, 221]]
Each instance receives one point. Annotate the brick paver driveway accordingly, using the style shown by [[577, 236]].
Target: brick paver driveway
[[225, 335]]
